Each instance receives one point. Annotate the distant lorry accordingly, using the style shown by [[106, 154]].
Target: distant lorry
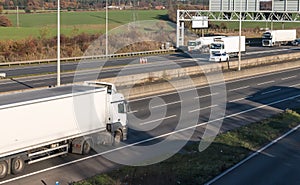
[[229, 45], [41, 124], [278, 37], [202, 42]]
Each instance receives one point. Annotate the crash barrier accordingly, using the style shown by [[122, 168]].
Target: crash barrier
[[69, 59]]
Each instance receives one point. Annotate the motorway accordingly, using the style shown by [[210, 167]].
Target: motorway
[[158, 125], [91, 70]]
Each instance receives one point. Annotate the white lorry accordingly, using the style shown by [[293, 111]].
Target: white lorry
[[41, 124], [202, 42], [278, 37], [229, 45]]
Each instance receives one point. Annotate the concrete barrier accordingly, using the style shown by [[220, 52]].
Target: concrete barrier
[[198, 70], [177, 76]]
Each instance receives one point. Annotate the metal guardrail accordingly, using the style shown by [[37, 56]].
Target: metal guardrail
[[88, 57]]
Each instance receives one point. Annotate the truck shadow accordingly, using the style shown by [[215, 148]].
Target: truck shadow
[[256, 42], [279, 97]]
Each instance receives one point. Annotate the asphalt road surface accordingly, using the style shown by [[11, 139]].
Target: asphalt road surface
[[92, 70], [278, 164], [160, 125]]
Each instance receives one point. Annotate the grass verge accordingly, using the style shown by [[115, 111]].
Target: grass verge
[[192, 167]]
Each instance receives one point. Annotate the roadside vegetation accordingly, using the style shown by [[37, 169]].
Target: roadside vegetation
[[78, 31], [193, 167], [83, 21]]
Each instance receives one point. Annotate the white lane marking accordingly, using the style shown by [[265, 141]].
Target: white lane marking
[[162, 105], [295, 85], [204, 96], [240, 99], [268, 51], [39, 83], [239, 88], [160, 119], [132, 111], [203, 108], [289, 77], [268, 92], [268, 82], [252, 155], [237, 100], [146, 140]]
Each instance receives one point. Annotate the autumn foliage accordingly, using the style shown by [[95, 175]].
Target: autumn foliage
[[35, 48], [46, 48], [4, 21]]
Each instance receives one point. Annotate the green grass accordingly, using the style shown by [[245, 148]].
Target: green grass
[[192, 167], [88, 22], [93, 22], [276, 25]]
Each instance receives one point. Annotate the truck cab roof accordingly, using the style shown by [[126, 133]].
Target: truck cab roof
[[67, 90]]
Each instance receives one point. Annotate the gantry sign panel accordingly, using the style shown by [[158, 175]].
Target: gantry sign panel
[[242, 10], [254, 5]]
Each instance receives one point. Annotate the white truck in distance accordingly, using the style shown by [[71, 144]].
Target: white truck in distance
[[229, 45], [41, 124], [202, 42], [278, 37]]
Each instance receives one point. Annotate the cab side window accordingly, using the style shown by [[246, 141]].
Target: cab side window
[[121, 108]]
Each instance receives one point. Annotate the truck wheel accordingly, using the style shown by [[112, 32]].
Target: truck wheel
[[86, 147], [3, 169], [118, 137], [17, 165]]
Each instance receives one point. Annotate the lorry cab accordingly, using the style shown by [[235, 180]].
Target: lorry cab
[[193, 45], [117, 122], [267, 39], [216, 47], [117, 110]]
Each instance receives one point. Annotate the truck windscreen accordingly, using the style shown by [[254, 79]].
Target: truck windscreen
[[216, 46]]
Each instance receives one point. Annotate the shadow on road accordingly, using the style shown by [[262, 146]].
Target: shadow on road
[[17, 81], [280, 97]]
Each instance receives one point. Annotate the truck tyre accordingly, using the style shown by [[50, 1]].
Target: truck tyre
[[86, 147], [3, 169], [17, 165], [117, 137]]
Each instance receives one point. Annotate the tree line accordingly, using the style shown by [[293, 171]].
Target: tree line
[[74, 4], [93, 4]]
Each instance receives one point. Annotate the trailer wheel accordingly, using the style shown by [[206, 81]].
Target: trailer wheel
[[3, 169], [86, 147], [118, 137], [17, 165]]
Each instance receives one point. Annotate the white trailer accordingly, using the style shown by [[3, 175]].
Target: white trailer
[[41, 124], [202, 42], [278, 37], [229, 45]]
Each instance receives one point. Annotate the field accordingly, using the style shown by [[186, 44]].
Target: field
[[91, 22], [276, 25], [33, 24]]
